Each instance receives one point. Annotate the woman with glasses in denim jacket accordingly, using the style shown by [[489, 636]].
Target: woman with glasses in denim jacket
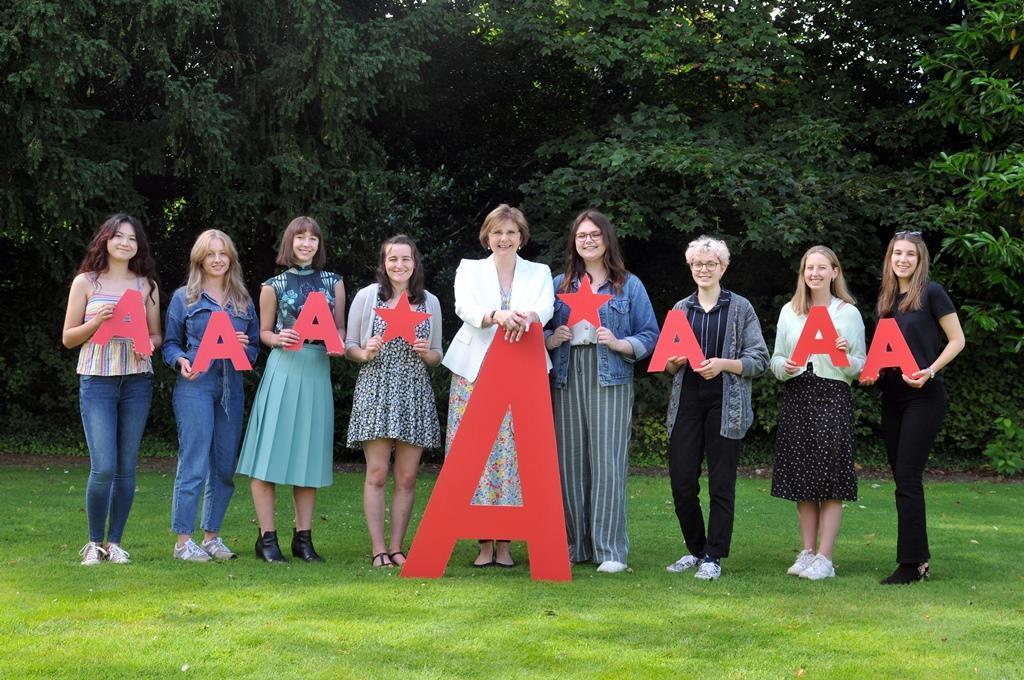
[[592, 390], [913, 408], [208, 404]]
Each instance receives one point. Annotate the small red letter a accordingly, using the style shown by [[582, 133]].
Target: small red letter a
[[316, 322], [128, 321], [220, 342], [888, 348], [819, 322], [513, 376], [676, 339]]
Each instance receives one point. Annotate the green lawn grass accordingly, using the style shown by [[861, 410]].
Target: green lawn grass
[[160, 618]]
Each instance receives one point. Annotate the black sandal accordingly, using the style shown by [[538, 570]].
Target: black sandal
[[391, 556], [381, 556]]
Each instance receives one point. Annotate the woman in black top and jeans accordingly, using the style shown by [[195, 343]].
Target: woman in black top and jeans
[[913, 408]]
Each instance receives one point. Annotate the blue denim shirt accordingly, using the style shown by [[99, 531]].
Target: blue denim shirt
[[186, 325], [628, 315]]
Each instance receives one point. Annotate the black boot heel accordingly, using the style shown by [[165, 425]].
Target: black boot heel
[[267, 548], [302, 546]]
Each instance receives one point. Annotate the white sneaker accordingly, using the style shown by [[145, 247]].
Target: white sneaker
[[92, 554], [611, 567], [803, 560], [117, 555], [820, 568], [216, 549], [190, 552], [708, 570], [683, 563]]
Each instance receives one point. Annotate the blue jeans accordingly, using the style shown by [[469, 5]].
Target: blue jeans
[[209, 415], [114, 412]]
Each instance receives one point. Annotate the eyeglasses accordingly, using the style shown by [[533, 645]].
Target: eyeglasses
[[704, 266], [903, 234], [594, 236]]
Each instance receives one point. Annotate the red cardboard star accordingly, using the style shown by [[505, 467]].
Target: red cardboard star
[[584, 303], [402, 320]]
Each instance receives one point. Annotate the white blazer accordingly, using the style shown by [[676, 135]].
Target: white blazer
[[477, 293]]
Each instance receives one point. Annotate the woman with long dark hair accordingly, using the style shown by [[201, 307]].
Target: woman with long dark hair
[[393, 403], [914, 407], [116, 380], [592, 390]]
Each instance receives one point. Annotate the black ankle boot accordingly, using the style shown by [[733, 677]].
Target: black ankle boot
[[302, 546], [907, 573], [267, 548]]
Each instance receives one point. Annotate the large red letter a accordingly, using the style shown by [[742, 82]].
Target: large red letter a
[[676, 339], [819, 323], [888, 349], [128, 321], [220, 342], [513, 375]]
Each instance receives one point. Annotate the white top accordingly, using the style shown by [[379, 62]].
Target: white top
[[849, 324], [477, 293]]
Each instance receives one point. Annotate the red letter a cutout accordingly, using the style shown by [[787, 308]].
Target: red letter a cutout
[[513, 375], [316, 322], [676, 340], [220, 342], [819, 323], [888, 348], [127, 321]]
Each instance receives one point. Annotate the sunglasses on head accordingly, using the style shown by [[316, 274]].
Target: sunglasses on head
[[904, 234]]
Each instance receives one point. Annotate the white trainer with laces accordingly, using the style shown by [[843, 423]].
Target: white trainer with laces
[[92, 554], [117, 555], [803, 560], [611, 567], [216, 549], [708, 570], [683, 563], [190, 552], [820, 568]]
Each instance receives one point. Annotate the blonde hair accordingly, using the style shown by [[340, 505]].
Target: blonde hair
[[801, 301], [497, 217], [890, 288], [237, 295], [706, 244]]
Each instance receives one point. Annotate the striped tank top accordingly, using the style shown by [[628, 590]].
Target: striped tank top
[[117, 357]]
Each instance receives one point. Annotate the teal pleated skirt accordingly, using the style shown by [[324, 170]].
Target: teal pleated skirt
[[290, 436]]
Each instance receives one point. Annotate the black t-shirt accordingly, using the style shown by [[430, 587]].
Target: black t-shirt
[[921, 327]]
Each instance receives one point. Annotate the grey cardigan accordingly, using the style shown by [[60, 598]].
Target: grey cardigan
[[743, 341], [360, 318]]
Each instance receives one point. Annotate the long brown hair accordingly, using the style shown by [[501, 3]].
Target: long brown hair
[[890, 288], [801, 301], [237, 296], [301, 224], [415, 281], [142, 264], [575, 267]]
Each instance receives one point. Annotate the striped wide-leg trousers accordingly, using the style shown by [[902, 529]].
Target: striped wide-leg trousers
[[592, 429]]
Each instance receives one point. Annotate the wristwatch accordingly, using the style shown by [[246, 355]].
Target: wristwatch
[[931, 373]]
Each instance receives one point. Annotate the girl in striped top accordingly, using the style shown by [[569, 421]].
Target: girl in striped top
[[116, 380]]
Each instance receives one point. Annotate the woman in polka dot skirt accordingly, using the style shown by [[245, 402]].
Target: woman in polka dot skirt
[[814, 440]]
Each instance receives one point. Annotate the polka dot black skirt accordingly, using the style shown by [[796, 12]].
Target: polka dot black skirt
[[814, 441]]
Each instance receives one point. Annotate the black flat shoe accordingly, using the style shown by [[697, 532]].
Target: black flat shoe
[[391, 556], [302, 546], [485, 564], [267, 548], [906, 573], [378, 561], [504, 565]]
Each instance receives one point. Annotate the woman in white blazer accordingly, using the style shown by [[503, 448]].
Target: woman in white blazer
[[507, 291]]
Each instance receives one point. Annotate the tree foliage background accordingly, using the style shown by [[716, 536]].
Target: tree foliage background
[[777, 125]]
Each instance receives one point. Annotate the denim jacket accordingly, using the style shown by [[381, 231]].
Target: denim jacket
[[743, 341], [186, 325], [628, 315]]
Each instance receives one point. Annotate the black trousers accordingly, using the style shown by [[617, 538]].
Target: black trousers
[[696, 431], [911, 419]]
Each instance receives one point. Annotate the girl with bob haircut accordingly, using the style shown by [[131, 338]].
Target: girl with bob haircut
[[913, 408], [710, 410], [592, 390], [290, 436], [814, 440], [506, 291], [393, 404], [208, 405], [116, 380]]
